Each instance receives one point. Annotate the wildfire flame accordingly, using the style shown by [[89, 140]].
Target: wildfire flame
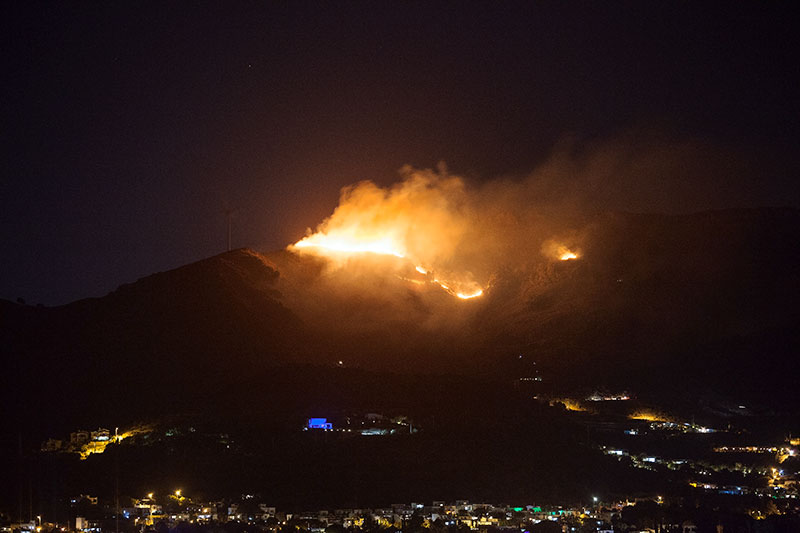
[[556, 250], [470, 295], [418, 220], [327, 245]]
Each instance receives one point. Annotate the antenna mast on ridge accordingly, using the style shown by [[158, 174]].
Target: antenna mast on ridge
[[228, 213]]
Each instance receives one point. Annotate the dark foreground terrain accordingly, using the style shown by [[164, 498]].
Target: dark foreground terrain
[[696, 315]]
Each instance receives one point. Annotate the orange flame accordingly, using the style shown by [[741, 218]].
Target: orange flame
[[470, 295], [556, 250], [419, 220], [332, 245]]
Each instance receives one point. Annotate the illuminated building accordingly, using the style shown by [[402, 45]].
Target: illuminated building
[[319, 423], [79, 438]]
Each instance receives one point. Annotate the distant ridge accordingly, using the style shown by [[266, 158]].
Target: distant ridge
[[657, 302]]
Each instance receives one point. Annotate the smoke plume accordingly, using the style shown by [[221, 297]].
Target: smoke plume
[[461, 230]]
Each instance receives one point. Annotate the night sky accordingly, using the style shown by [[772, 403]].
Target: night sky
[[128, 128]]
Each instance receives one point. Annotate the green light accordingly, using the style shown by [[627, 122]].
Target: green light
[[517, 509]]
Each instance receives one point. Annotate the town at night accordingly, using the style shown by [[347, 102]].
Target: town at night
[[400, 267]]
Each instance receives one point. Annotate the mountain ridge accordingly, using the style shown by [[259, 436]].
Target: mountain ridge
[[649, 296]]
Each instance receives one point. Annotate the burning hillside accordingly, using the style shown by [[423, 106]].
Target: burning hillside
[[652, 299], [452, 236], [421, 221]]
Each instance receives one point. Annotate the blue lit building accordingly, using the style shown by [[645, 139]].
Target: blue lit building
[[319, 423]]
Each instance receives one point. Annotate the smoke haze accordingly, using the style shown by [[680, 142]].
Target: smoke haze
[[464, 229]]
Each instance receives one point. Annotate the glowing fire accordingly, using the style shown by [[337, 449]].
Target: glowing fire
[[468, 295], [556, 250], [417, 220], [321, 244], [565, 254], [350, 246]]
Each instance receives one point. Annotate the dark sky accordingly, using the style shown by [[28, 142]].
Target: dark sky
[[128, 127]]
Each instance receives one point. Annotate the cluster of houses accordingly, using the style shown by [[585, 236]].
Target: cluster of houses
[[149, 512], [362, 424], [77, 440]]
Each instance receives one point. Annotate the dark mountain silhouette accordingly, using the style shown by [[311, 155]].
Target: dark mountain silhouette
[[158, 344], [656, 302], [709, 299]]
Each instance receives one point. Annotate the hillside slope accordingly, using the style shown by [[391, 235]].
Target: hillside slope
[[161, 343], [655, 302]]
